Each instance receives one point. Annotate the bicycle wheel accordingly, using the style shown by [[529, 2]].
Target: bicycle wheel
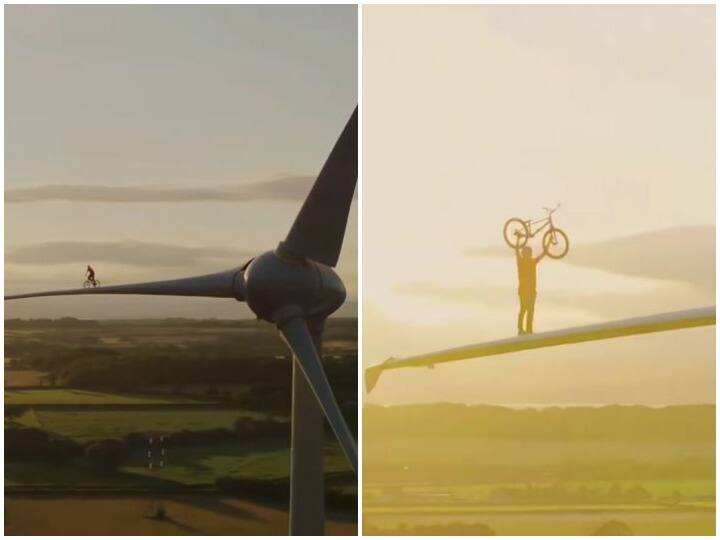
[[97, 283], [87, 283], [516, 233], [556, 243]]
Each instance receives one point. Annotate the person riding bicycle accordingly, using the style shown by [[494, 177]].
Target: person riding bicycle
[[527, 287], [90, 274]]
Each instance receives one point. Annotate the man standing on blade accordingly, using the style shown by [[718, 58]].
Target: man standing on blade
[[527, 287]]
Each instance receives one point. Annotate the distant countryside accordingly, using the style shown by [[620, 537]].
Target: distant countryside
[[161, 427], [486, 470]]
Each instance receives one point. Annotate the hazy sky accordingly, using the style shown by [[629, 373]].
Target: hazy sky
[[164, 141], [476, 114]]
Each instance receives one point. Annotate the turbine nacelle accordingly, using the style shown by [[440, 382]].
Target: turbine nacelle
[[278, 285]]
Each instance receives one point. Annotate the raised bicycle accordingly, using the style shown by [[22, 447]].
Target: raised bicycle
[[555, 241]]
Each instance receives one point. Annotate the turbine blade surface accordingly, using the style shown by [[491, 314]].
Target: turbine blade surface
[[297, 335], [226, 284], [319, 227], [660, 322]]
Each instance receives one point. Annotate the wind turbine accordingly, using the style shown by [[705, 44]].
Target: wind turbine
[[295, 288]]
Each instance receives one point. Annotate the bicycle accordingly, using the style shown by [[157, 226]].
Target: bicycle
[[518, 231], [91, 283]]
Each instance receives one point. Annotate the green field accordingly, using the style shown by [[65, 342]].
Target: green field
[[41, 475], [458, 470], [189, 379], [89, 425], [190, 466], [87, 415], [498, 452], [479, 493], [202, 465], [65, 396]]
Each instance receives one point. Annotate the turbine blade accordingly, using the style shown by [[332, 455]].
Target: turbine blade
[[660, 322], [372, 376], [297, 335], [319, 227], [226, 284]]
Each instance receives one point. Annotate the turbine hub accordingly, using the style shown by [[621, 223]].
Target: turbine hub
[[275, 282]]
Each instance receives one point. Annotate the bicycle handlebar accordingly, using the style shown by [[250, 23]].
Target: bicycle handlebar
[[551, 211]]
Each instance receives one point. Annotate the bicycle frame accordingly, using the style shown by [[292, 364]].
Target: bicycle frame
[[518, 231], [545, 222]]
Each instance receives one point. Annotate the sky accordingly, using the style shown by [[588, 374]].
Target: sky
[[165, 141], [476, 114]]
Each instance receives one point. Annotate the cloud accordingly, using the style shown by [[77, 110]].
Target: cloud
[[488, 251], [488, 295], [680, 254], [144, 254], [287, 188]]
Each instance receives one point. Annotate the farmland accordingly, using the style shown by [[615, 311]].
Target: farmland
[[552, 471], [194, 515], [68, 396], [90, 425], [217, 392], [554, 521]]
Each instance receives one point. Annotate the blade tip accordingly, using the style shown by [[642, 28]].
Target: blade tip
[[372, 375]]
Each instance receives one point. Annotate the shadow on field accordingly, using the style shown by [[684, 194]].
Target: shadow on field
[[187, 529], [219, 507]]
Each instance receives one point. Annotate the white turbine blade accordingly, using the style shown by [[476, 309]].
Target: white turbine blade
[[226, 284], [625, 327], [297, 335]]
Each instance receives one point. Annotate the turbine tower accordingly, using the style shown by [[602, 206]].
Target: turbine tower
[[295, 288]]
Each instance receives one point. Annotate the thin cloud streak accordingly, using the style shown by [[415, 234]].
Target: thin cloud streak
[[130, 253], [287, 188]]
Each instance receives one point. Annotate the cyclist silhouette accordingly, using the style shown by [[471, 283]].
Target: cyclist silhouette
[[527, 287], [90, 274]]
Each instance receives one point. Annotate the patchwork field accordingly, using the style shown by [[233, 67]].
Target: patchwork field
[[703, 490], [557, 471], [190, 466], [217, 390], [548, 522], [202, 465], [89, 425]]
